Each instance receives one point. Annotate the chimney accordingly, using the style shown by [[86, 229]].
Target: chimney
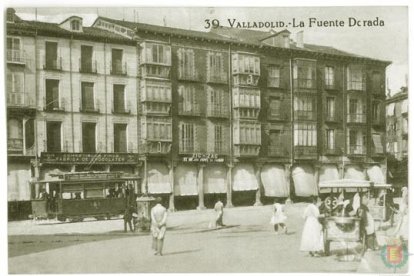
[[299, 39]]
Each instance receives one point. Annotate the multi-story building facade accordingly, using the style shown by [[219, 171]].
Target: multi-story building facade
[[397, 124], [241, 114]]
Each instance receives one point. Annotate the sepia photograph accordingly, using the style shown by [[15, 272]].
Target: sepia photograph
[[206, 139]]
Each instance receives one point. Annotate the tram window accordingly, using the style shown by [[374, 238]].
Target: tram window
[[93, 193]]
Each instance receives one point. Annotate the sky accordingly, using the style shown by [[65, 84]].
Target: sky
[[388, 42]]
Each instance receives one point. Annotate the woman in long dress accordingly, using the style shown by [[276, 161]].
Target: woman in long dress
[[312, 235], [278, 219], [401, 230]]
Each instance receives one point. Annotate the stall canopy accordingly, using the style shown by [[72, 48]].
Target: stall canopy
[[328, 172], [158, 179], [185, 180], [375, 174], [354, 172], [274, 181], [304, 181], [215, 178], [244, 178]]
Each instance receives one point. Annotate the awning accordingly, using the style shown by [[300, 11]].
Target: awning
[[215, 179], [158, 179], [375, 175], [186, 180], [274, 181], [328, 173], [304, 181], [18, 177], [354, 172], [244, 178]]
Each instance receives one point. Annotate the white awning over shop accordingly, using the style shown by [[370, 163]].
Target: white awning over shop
[[304, 181], [18, 177], [215, 179], [354, 172], [244, 178], [185, 180], [328, 172], [274, 181], [158, 179], [375, 175]]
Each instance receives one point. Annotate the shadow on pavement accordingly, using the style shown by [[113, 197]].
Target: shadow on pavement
[[181, 252], [23, 245]]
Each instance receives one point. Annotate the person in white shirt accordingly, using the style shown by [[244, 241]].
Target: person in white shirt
[[158, 226], [219, 209], [279, 218]]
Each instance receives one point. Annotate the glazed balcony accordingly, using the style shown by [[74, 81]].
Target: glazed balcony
[[193, 110], [357, 150], [246, 150], [155, 147], [16, 57], [20, 100]]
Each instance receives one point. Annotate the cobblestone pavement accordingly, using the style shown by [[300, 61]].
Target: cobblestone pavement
[[247, 244]]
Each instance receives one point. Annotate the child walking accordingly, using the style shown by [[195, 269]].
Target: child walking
[[278, 219]]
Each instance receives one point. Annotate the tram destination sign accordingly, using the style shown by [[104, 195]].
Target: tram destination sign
[[88, 158], [204, 158]]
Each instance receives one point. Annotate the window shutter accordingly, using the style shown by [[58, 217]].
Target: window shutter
[[196, 137], [9, 82]]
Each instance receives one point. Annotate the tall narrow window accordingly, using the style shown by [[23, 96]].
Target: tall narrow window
[[52, 95], [376, 112], [89, 137], [218, 138], [215, 67], [88, 103], [15, 88], [117, 67], [14, 49], [186, 65], [273, 76], [86, 59], [51, 55], [329, 77], [304, 74], [187, 102], [119, 98], [356, 78], [120, 138], [53, 136], [75, 25], [275, 106], [376, 83], [15, 135], [187, 138], [330, 139], [330, 108]]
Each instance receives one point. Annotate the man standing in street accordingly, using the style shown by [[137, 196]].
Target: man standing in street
[[218, 208], [158, 226]]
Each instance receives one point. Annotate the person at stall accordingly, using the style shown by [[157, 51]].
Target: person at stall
[[367, 226], [279, 218], [158, 226], [312, 235]]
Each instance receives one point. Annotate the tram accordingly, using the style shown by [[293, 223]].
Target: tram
[[75, 196]]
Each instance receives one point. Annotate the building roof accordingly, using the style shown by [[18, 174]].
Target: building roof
[[236, 35], [399, 96], [53, 29], [245, 37]]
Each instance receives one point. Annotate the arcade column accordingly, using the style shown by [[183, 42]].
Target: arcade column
[[171, 168], [258, 170], [200, 186], [288, 168], [316, 169], [229, 202]]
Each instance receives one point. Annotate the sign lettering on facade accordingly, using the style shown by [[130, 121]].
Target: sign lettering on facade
[[87, 158], [204, 158]]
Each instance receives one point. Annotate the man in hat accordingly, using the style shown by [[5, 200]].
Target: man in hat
[[158, 226], [128, 218]]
